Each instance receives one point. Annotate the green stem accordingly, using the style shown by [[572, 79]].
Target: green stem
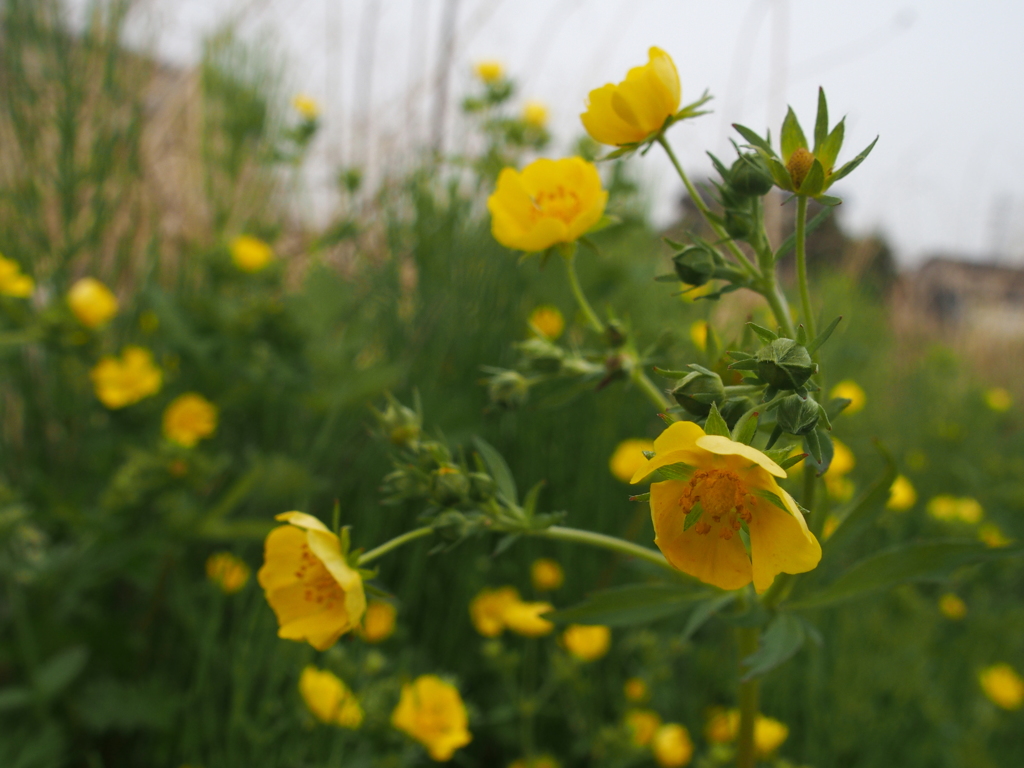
[[801, 264], [395, 543], [577, 291], [746, 756], [699, 202], [563, 533], [650, 389]]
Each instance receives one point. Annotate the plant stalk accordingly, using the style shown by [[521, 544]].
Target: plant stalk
[[746, 755], [577, 290], [801, 266], [563, 533], [650, 389], [395, 543]]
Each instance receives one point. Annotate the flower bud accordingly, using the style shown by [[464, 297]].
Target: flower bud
[[784, 364], [694, 265], [798, 416], [738, 224], [542, 355], [749, 176], [697, 391], [509, 389], [482, 487], [401, 425], [449, 486], [733, 408]]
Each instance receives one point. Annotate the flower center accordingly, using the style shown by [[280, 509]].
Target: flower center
[[320, 587], [557, 203], [724, 499]]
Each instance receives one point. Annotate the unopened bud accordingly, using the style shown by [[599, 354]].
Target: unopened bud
[[509, 389], [449, 486], [797, 415], [697, 391], [543, 356], [400, 424], [749, 176], [784, 364], [738, 224], [694, 265]]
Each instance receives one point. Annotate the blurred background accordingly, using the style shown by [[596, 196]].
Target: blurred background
[[140, 141]]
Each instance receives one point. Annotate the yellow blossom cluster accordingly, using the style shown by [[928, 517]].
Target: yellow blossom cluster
[[227, 571], [250, 254], [432, 712], [92, 302], [769, 734], [493, 611], [189, 418], [120, 382], [12, 281], [329, 699]]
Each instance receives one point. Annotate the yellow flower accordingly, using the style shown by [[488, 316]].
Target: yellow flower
[[629, 457], [642, 724], [631, 111], [550, 202], [843, 459], [13, 282], [487, 610], [227, 571], [378, 621], [121, 382], [672, 746], [329, 699], [635, 689], [250, 254], [945, 507], [952, 607], [587, 643], [316, 595], [992, 536], [546, 574], [306, 106], [525, 619], [535, 113], [92, 302], [734, 484], [189, 418], [850, 390], [490, 70], [769, 734], [699, 334], [831, 523], [902, 495], [1003, 686], [431, 711], [839, 487], [547, 321], [998, 399]]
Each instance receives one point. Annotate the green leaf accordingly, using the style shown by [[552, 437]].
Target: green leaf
[[829, 200], [820, 121], [784, 636], [847, 169], [813, 224], [831, 145], [641, 497], [704, 611], [60, 671], [774, 498], [530, 502], [814, 182], [755, 140], [14, 698], [603, 223], [670, 374], [792, 460], [823, 336], [715, 424], [693, 516], [498, 468], [505, 543], [792, 136], [630, 605], [670, 278], [918, 561], [778, 455], [863, 510], [625, 149], [765, 335], [746, 427], [778, 171]]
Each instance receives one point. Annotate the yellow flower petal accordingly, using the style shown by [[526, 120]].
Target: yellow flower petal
[[780, 542], [723, 446]]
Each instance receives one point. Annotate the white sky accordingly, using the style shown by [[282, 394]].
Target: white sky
[[937, 79]]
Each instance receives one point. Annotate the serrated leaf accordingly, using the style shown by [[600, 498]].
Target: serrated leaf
[[830, 147], [629, 606], [715, 424], [692, 516], [498, 468], [814, 182], [60, 671], [918, 561], [813, 224], [781, 640], [820, 121], [823, 336], [863, 510], [754, 140], [703, 612], [847, 169], [792, 136]]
